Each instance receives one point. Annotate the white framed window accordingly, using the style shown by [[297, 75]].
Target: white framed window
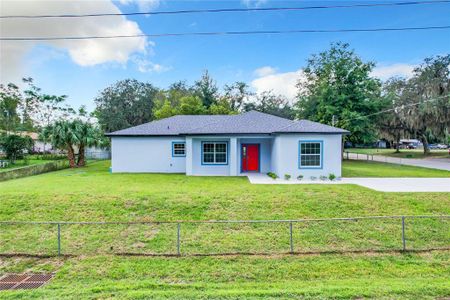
[[178, 149], [214, 153], [310, 154]]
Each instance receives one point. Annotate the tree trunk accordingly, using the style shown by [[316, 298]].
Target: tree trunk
[[426, 148], [81, 158], [71, 156], [397, 145]]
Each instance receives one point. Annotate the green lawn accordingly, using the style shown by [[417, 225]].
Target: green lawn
[[93, 194], [356, 168], [404, 153]]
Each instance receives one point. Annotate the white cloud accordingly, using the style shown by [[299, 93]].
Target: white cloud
[[143, 5], [279, 83], [254, 3], [394, 70], [82, 52], [147, 66], [264, 71]]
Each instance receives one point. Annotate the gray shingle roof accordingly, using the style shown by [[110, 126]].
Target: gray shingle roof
[[252, 122]]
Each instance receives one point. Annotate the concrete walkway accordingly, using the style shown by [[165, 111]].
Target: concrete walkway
[[378, 184], [432, 163]]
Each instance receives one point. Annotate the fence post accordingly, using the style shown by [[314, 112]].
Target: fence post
[[178, 238], [403, 233], [347, 155], [367, 157], [291, 238], [59, 239]]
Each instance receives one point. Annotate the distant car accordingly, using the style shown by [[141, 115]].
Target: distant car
[[433, 146], [442, 146]]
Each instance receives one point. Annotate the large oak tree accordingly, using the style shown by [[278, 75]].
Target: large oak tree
[[340, 91]]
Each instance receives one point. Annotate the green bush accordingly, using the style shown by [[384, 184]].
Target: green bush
[[332, 177], [34, 170], [15, 146], [272, 175], [300, 177], [287, 176]]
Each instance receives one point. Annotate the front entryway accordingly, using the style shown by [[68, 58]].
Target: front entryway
[[250, 158]]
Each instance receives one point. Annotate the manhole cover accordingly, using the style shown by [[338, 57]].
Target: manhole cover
[[23, 281]]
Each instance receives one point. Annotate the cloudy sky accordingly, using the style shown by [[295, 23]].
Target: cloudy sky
[[80, 69]]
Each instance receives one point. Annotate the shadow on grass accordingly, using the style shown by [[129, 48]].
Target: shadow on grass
[[295, 253]]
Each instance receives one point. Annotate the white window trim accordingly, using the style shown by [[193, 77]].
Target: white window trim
[[173, 149], [320, 142], [215, 153]]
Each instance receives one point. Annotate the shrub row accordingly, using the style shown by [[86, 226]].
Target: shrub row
[[34, 170]]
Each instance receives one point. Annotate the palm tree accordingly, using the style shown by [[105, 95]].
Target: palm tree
[[62, 136], [87, 136]]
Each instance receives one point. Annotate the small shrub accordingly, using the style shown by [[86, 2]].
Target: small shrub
[[323, 178], [272, 175], [332, 177], [299, 177], [313, 178], [287, 176]]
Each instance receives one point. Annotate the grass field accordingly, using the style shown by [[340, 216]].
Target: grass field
[[360, 168], [92, 194], [404, 153]]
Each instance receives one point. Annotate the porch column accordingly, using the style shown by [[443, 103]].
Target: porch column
[[189, 155], [234, 161]]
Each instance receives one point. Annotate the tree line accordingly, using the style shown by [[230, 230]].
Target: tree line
[[130, 102]]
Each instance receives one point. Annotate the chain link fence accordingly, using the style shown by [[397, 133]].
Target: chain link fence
[[383, 233]]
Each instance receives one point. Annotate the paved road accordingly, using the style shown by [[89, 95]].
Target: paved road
[[432, 163], [378, 184]]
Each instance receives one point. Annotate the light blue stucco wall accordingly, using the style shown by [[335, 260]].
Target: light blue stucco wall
[[204, 169], [194, 164], [285, 155], [145, 155], [265, 149], [279, 154]]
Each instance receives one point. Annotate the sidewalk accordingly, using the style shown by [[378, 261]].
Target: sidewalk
[[378, 184], [432, 163]]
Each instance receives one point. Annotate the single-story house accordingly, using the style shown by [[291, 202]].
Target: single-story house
[[228, 145]]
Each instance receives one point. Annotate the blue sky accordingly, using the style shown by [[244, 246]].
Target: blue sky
[[228, 58]]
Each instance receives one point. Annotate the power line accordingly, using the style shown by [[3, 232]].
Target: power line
[[221, 10], [213, 33], [398, 107]]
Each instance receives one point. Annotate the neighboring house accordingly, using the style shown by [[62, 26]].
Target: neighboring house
[[39, 146], [228, 145]]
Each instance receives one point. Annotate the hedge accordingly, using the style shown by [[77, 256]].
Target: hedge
[[34, 170]]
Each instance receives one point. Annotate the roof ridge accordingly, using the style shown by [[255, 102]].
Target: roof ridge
[[293, 123], [207, 124]]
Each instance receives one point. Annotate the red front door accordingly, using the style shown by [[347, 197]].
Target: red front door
[[250, 157]]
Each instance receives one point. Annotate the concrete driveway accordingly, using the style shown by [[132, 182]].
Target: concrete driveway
[[378, 184]]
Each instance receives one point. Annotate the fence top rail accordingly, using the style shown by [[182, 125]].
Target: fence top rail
[[218, 221]]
